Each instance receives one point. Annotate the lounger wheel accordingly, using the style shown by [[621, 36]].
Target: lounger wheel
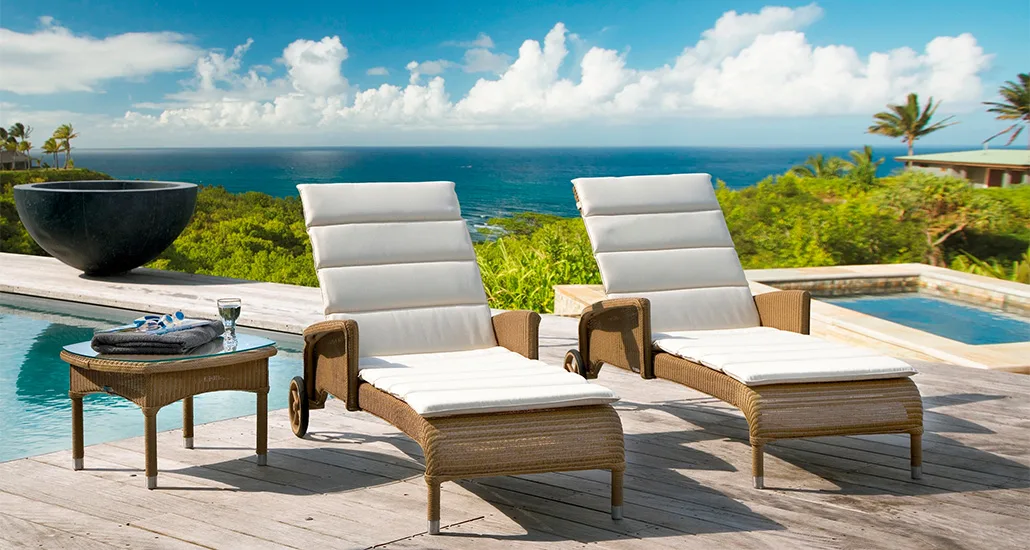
[[574, 363], [298, 406]]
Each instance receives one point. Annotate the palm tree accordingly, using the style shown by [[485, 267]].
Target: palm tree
[[19, 133], [7, 141], [862, 167], [907, 122], [862, 160], [1015, 106], [25, 146], [64, 134], [817, 166], [51, 147]]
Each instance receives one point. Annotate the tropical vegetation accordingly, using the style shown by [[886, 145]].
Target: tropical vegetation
[[1015, 105], [16, 138], [791, 220], [908, 121]]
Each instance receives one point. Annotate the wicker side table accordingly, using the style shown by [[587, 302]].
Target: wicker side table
[[155, 381]]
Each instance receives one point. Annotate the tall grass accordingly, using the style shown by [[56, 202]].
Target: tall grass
[[520, 270], [1018, 271]]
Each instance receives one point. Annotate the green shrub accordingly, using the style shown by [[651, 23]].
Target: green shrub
[[40, 175], [246, 236], [520, 271]]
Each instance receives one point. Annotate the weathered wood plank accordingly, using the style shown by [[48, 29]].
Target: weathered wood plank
[[19, 533], [356, 482]]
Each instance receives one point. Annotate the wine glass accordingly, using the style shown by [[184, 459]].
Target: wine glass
[[229, 311]]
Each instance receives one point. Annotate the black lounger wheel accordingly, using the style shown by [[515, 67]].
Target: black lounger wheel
[[298, 406], [574, 363]]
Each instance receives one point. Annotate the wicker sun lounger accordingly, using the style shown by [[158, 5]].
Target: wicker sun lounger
[[409, 337], [680, 309]]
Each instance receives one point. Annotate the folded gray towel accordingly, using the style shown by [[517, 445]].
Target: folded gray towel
[[144, 343]]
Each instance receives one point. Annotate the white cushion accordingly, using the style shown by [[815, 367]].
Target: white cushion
[[397, 258], [441, 241], [478, 381], [336, 203], [665, 238], [763, 355]]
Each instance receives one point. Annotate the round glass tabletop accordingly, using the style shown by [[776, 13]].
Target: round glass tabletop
[[216, 347]]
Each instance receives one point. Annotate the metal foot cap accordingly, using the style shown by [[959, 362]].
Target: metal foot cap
[[434, 527], [262, 460], [151, 482], [187, 442], [917, 472], [616, 512], [78, 463], [759, 482]]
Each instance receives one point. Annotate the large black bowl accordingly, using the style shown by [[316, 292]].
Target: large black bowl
[[105, 227]]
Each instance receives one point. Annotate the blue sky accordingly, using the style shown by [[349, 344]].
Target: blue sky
[[597, 73]]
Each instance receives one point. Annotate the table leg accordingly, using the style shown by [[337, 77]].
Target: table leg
[[187, 422], [150, 420], [262, 428], [77, 447]]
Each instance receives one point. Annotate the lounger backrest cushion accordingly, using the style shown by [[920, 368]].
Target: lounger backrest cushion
[[398, 259], [664, 238]]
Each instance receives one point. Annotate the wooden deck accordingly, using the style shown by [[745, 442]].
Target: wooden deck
[[355, 482]]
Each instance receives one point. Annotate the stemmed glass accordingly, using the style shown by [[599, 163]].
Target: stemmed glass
[[229, 311]]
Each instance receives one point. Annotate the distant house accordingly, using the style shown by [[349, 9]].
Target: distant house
[[13, 160], [987, 167]]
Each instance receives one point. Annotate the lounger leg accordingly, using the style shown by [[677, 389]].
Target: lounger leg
[[758, 466], [917, 456], [617, 494], [150, 421], [187, 422], [77, 446], [433, 507], [262, 428]]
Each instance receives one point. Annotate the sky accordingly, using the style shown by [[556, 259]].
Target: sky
[[527, 73]]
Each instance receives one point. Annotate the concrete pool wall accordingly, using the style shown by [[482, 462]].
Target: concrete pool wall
[[842, 324]]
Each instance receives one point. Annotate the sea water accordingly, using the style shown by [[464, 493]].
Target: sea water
[[490, 182]]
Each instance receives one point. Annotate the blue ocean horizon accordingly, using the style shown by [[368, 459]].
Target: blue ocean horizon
[[491, 182]]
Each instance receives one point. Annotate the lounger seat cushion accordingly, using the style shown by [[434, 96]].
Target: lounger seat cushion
[[478, 381], [759, 356]]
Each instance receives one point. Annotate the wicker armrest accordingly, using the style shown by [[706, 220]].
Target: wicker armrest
[[617, 332], [332, 348], [785, 310], [519, 331]]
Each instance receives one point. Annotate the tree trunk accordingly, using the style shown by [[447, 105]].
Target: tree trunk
[[933, 255]]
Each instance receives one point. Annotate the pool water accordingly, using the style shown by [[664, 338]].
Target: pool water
[[952, 320], [35, 411]]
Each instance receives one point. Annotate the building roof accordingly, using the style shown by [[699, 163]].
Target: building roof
[[993, 157], [13, 156]]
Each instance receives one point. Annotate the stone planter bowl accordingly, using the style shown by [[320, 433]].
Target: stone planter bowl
[[105, 227]]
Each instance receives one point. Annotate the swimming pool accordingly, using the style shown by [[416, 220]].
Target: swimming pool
[[35, 412], [952, 320]]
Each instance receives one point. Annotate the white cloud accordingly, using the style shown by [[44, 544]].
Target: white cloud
[[747, 64], [215, 66], [314, 67], [482, 60], [431, 68], [52, 59], [377, 71], [482, 41]]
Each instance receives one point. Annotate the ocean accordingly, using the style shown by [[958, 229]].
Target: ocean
[[490, 182]]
